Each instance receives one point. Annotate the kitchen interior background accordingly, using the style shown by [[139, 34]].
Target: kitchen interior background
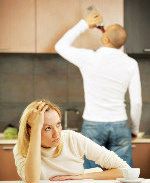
[[30, 68], [26, 77]]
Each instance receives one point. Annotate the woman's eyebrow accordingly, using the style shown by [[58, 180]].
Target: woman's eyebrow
[[47, 125], [51, 124]]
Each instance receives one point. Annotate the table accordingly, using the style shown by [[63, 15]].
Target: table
[[76, 181]]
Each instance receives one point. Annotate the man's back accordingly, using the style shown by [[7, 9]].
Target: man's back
[[107, 75]]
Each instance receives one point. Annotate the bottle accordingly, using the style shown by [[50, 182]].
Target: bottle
[[99, 26]]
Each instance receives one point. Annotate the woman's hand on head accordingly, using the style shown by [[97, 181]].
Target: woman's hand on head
[[37, 115]]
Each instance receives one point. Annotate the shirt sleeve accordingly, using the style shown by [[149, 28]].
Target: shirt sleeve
[[77, 56], [99, 154], [135, 99], [19, 162]]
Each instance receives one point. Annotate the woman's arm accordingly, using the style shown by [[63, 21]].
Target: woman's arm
[[111, 174], [104, 175], [107, 159], [33, 159]]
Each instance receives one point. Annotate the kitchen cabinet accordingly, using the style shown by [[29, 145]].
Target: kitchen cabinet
[[54, 18], [17, 22], [8, 170], [34, 26], [141, 158], [137, 16]]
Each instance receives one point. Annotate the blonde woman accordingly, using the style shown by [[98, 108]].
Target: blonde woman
[[45, 151]]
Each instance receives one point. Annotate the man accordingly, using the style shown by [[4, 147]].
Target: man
[[107, 74]]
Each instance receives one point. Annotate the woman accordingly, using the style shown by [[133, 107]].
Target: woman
[[45, 151]]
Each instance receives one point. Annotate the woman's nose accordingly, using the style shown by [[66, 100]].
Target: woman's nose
[[55, 133]]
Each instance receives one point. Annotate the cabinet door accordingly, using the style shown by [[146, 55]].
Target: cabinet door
[[54, 18], [8, 169], [137, 23], [112, 12], [141, 158], [17, 22]]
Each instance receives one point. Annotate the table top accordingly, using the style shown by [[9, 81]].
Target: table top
[[76, 181]]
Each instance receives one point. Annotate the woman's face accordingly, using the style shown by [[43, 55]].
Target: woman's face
[[51, 131]]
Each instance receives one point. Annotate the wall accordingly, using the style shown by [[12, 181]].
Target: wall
[[144, 66], [26, 77]]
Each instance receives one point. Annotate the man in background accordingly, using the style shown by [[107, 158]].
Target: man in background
[[107, 75]]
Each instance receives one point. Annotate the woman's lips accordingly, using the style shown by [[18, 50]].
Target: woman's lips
[[56, 140]]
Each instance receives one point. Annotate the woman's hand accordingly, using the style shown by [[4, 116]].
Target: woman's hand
[[111, 174], [66, 177], [37, 115]]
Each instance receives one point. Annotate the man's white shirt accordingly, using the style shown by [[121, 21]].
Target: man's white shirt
[[107, 74]]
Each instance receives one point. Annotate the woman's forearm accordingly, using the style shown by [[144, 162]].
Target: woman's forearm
[[33, 160], [104, 175]]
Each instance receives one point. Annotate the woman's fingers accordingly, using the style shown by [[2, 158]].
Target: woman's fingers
[[44, 108], [37, 104], [37, 115], [57, 178], [40, 106], [62, 177]]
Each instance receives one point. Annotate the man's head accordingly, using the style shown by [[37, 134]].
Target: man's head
[[114, 36]]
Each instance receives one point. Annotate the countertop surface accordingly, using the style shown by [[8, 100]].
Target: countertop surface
[[78, 181], [13, 141]]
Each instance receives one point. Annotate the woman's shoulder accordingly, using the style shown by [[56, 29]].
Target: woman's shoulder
[[73, 137], [69, 134]]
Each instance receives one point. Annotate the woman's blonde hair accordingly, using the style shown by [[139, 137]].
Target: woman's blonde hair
[[24, 136]]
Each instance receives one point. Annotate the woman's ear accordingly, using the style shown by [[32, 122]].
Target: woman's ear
[[28, 128]]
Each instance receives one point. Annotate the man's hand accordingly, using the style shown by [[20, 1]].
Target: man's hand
[[94, 19], [66, 177], [134, 135]]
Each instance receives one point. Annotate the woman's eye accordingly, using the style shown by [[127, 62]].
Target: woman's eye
[[58, 124], [48, 128]]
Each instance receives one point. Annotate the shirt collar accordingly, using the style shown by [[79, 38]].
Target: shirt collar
[[109, 50]]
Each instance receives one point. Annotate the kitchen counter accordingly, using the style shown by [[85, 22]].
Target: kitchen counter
[[76, 181], [141, 140], [135, 141], [70, 181], [6, 141], [13, 141]]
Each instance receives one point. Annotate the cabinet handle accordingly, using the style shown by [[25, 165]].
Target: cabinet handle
[[133, 146], [147, 50], [7, 147]]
